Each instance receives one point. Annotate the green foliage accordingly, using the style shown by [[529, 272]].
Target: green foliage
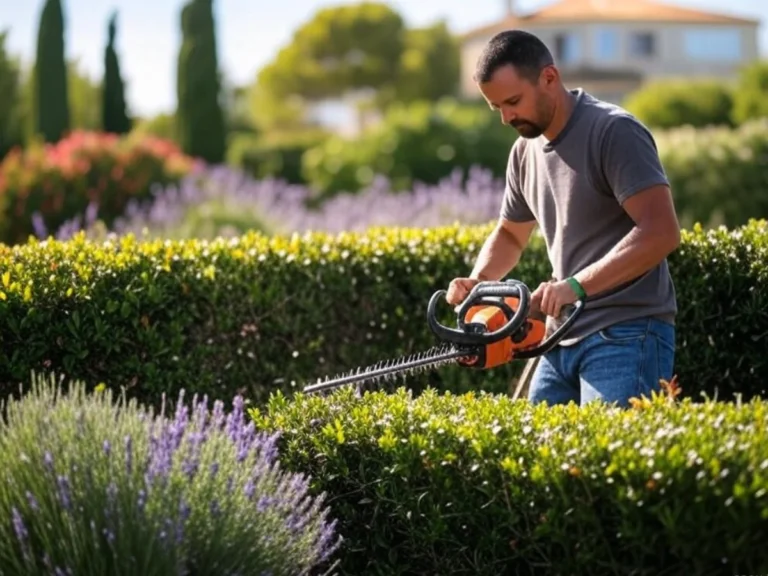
[[84, 102], [85, 99], [57, 183], [430, 65], [718, 175], [95, 486], [750, 99], [11, 126], [51, 111], [337, 50], [445, 484], [254, 314], [418, 142], [162, 126], [274, 154], [673, 103], [114, 114], [199, 118]]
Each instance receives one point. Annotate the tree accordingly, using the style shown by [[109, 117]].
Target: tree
[[200, 118], [341, 49], [430, 66], [85, 98], [10, 98], [51, 100], [114, 117]]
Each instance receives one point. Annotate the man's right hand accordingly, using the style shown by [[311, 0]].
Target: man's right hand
[[458, 290]]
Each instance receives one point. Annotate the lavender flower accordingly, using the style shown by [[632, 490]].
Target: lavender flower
[[201, 483], [276, 207]]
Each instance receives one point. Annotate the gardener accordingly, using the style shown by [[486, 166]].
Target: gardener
[[589, 175]]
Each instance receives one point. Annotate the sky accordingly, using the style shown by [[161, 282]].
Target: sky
[[249, 33]]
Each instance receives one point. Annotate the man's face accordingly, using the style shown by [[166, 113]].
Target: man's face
[[524, 105]]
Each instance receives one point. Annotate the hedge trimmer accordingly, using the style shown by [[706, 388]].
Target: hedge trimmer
[[495, 326]]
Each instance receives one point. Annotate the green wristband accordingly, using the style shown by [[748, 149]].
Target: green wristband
[[577, 287]]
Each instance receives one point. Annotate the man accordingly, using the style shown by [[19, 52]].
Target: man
[[589, 175]]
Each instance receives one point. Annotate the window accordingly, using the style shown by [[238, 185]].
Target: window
[[642, 44], [606, 44], [567, 48], [723, 44]]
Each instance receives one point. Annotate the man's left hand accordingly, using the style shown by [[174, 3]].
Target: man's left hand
[[550, 297]]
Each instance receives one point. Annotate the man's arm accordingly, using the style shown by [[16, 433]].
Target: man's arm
[[634, 172], [655, 235], [502, 249]]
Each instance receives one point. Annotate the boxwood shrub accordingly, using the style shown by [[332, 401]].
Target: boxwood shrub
[[481, 484], [254, 314]]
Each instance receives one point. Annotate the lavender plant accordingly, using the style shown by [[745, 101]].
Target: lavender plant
[[96, 486], [226, 202]]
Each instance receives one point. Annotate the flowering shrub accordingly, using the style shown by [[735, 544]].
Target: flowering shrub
[[225, 202], [46, 184], [90, 485], [483, 484]]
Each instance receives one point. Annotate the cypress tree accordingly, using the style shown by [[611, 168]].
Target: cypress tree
[[51, 95], [114, 117], [199, 116]]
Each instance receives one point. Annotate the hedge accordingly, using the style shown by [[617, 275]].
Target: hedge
[[718, 175], [254, 314], [480, 484]]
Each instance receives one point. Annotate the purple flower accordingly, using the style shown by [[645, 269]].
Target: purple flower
[[18, 525], [64, 491], [38, 224], [48, 460], [469, 197], [32, 501], [128, 455]]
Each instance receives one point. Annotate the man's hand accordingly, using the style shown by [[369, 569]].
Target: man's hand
[[550, 297], [458, 290]]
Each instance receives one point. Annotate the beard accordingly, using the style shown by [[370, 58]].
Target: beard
[[527, 129], [533, 129]]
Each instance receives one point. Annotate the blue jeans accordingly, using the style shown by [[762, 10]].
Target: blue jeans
[[623, 360]]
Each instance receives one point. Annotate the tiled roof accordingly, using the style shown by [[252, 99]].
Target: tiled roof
[[610, 10]]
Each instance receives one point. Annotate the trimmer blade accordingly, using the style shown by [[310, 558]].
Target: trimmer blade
[[389, 370]]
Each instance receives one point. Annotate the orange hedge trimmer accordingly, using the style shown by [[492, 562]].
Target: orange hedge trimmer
[[495, 326]]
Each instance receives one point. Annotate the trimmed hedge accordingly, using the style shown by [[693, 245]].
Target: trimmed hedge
[[253, 314], [479, 484]]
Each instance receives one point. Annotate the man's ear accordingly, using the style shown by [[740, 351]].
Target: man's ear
[[549, 75]]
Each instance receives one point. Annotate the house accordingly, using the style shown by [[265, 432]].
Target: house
[[611, 47]]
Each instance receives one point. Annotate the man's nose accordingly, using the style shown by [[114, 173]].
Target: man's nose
[[507, 116]]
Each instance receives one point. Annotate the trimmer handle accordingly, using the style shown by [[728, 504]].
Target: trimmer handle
[[488, 293], [573, 311]]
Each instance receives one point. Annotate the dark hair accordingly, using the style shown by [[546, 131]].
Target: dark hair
[[521, 49]]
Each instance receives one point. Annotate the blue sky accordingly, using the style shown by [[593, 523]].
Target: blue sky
[[249, 33]]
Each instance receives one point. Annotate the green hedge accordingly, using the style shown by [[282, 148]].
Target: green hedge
[[253, 314], [480, 484], [671, 103], [718, 175]]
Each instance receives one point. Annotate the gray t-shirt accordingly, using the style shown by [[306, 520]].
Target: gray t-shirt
[[573, 187]]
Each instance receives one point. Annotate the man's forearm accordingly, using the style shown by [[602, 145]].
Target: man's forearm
[[499, 254], [639, 251]]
